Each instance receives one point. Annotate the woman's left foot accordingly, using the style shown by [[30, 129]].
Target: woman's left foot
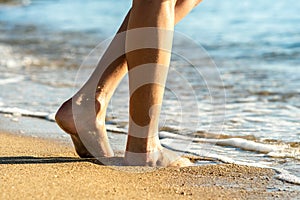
[[92, 131]]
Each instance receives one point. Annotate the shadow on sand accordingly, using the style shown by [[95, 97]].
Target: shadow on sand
[[44, 160]]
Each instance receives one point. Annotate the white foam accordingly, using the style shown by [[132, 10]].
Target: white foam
[[51, 117], [233, 142], [15, 79], [11, 59], [22, 112], [286, 153], [114, 129], [26, 2], [283, 175], [182, 141]]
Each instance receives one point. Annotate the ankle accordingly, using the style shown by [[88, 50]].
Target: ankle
[[64, 117], [142, 145]]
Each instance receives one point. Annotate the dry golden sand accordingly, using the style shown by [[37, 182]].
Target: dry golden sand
[[33, 168]]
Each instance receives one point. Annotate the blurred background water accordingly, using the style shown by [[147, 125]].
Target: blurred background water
[[255, 45]]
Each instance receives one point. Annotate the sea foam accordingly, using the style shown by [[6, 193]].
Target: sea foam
[[283, 174]]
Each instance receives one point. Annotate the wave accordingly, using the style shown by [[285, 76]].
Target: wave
[[272, 150], [179, 143], [282, 174], [23, 112], [10, 78], [50, 117]]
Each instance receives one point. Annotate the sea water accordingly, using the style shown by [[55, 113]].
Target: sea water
[[253, 45]]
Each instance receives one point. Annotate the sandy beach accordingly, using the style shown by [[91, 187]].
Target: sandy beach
[[231, 97], [34, 168]]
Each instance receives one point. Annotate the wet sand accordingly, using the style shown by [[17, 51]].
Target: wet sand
[[47, 169]]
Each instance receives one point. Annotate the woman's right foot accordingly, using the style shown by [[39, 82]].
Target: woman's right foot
[[92, 139]]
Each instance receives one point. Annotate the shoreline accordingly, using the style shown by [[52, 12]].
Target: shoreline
[[44, 168]]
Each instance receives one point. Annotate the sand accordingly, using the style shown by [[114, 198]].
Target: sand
[[34, 168]]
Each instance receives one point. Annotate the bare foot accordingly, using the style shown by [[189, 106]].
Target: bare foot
[[92, 131], [159, 158], [149, 152]]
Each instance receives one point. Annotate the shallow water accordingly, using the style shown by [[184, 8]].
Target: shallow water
[[254, 44]]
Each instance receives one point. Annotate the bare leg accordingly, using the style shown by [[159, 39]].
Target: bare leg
[[143, 145], [104, 90], [106, 87]]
